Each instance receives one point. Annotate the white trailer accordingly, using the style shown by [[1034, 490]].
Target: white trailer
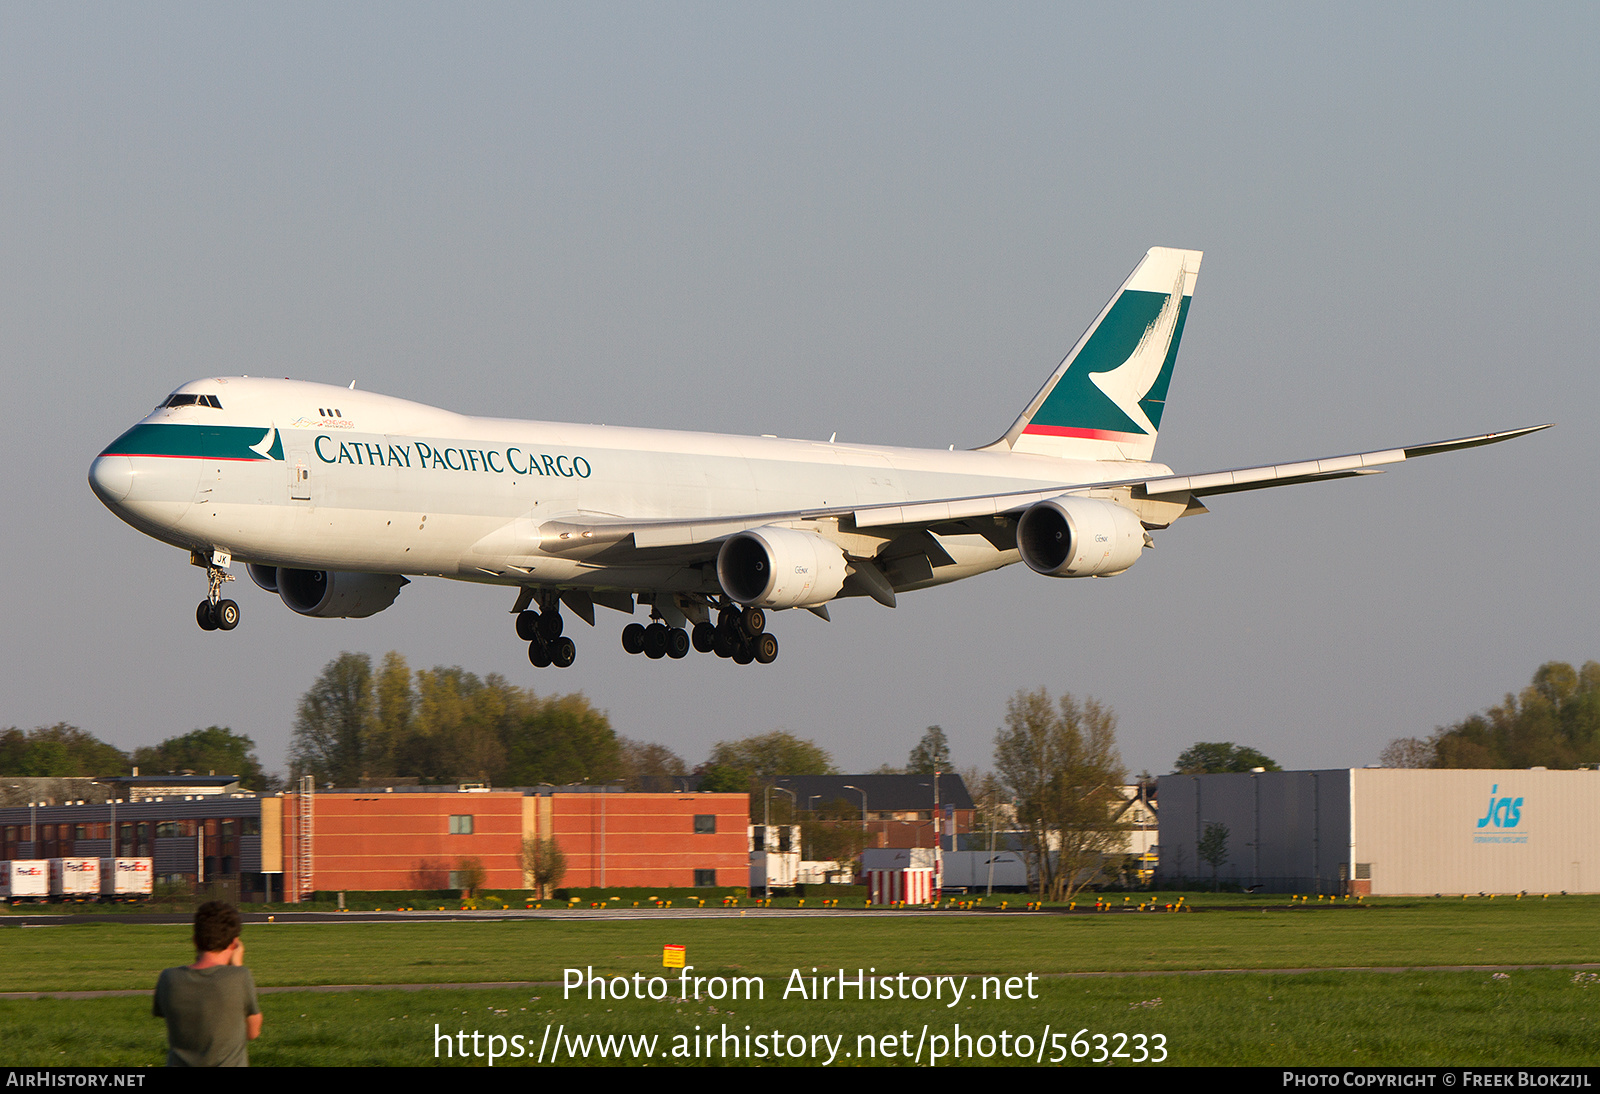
[[75, 879], [975, 871], [126, 878], [25, 879]]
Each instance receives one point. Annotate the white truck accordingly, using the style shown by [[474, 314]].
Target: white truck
[[126, 878], [25, 879], [75, 879]]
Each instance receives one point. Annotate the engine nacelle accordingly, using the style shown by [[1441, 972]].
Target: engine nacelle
[[780, 568], [1079, 537], [329, 594], [265, 576]]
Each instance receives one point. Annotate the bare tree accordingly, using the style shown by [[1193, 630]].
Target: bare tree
[[1408, 752], [1061, 765], [833, 831], [645, 763], [991, 806], [543, 863], [1213, 849], [469, 875]]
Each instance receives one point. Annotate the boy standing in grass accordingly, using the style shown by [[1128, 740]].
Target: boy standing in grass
[[210, 1006]]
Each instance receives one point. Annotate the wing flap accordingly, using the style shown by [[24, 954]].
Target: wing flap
[[583, 533], [1280, 474]]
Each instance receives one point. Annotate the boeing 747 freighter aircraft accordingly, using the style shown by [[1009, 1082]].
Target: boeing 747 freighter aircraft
[[332, 496]]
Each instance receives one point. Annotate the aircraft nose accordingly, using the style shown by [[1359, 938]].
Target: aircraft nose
[[111, 477]]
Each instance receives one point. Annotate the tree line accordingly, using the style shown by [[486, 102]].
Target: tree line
[[65, 751], [1055, 782], [1553, 722], [358, 724]]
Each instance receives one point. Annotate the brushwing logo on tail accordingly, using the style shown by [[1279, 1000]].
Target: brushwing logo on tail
[[1116, 387]]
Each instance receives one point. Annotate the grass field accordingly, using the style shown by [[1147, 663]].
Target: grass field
[[1418, 1017]]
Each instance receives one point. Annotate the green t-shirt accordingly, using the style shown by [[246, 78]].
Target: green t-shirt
[[205, 1011]]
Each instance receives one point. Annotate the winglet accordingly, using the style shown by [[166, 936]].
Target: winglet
[[1413, 451]]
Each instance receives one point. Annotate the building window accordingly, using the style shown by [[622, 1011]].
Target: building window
[[705, 824], [460, 826], [705, 879]]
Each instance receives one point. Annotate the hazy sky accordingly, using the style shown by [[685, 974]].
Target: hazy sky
[[888, 221]]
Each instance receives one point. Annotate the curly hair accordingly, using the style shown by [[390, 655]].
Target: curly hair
[[216, 925]]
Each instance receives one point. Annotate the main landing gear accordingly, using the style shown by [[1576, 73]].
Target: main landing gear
[[215, 613], [739, 634], [546, 644]]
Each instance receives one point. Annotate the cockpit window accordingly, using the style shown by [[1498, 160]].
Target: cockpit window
[[184, 399]]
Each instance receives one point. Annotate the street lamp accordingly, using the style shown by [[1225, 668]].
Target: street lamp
[[766, 833], [863, 794]]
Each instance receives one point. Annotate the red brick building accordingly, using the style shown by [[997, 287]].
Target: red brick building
[[418, 837]]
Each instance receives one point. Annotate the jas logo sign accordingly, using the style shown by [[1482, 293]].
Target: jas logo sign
[[1504, 813]]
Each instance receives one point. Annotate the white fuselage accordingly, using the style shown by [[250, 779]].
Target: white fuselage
[[295, 474]]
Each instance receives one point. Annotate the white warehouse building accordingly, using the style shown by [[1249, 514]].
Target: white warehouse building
[[1387, 831]]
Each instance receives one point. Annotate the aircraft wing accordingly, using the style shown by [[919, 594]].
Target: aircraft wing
[[587, 534], [1335, 467]]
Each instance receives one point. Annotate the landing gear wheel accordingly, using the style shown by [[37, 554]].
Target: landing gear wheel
[[743, 656], [551, 625], [765, 648], [226, 615], [562, 652], [754, 620], [206, 616], [633, 638], [527, 625], [538, 655], [704, 637], [655, 641], [727, 644], [677, 643]]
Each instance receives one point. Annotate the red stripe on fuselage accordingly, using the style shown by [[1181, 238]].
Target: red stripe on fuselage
[[174, 456], [1087, 434]]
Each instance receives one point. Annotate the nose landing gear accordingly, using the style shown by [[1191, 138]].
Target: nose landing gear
[[215, 613]]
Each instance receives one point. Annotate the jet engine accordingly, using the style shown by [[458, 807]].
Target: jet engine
[[329, 594], [780, 568], [1079, 537], [265, 576]]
